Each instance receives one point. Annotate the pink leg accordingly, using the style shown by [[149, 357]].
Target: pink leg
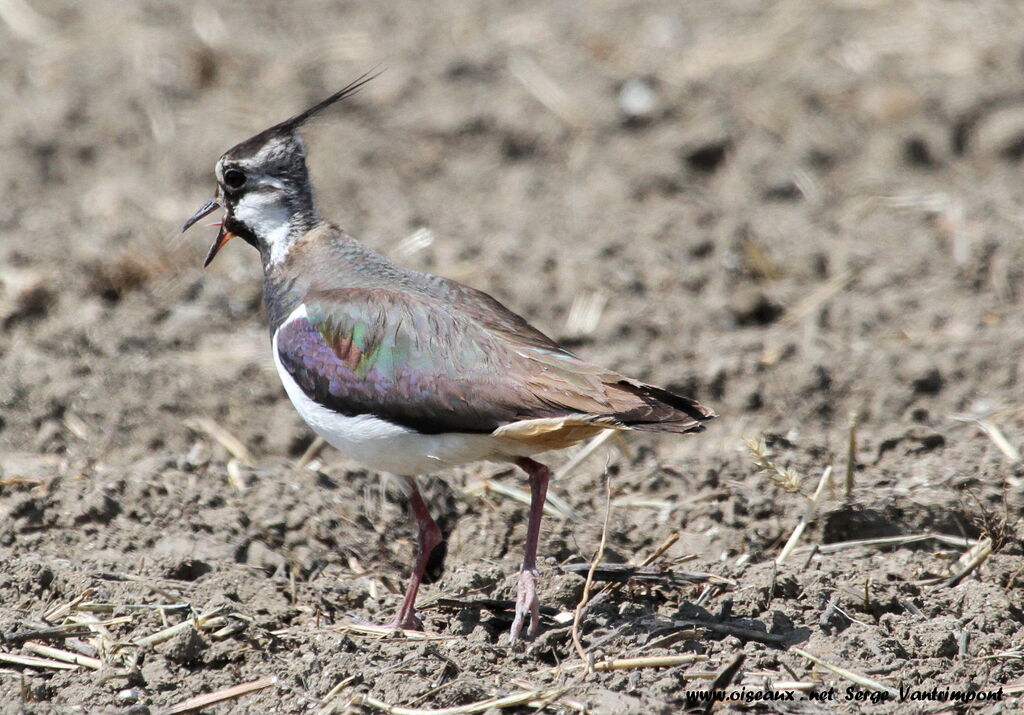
[[526, 591], [428, 536]]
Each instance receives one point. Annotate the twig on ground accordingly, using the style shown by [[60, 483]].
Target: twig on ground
[[654, 661], [725, 677], [553, 504], [996, 435], [656, 575], [861, 680], [548, 92], [817, 297], [1016, 652], [235, 477], [665, 546], [851, 456], [330, 707], [366, 629], [234, 446], [585, 598], [958, 541], [971, 560], [559, 695], [516, 699], [61, 611], [310, 454], [235, 691], [496, 605], [211, 620], [54, 633], [33, 662], [63, 655], [800, 685]]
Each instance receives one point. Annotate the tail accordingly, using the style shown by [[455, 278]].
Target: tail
[[662, 411]]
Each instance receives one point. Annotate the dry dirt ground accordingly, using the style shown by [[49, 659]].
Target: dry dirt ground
[[794, 210]]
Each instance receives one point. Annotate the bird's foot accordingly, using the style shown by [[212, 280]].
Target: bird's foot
[[410, 622], [527, 602]]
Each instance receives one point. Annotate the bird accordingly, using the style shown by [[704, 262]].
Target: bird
[[410, 373]]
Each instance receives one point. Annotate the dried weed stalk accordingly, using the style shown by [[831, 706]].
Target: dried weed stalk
[[995, 525]]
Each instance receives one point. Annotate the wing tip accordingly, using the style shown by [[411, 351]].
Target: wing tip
[[666, 411]]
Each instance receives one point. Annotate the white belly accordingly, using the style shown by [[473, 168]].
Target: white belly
[[388, 447]]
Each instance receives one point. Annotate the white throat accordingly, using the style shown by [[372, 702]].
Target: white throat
[[268, 216]]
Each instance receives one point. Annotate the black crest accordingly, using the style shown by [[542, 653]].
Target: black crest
[[289, 126]]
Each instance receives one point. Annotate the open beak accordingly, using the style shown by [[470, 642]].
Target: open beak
[[223, 236], [208, 208]]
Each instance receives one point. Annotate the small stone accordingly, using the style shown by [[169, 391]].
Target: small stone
[[129, 695], [638, 100]]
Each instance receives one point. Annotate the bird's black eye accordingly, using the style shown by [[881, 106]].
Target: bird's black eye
[[234, 178]]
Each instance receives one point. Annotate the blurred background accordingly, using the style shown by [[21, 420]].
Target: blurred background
[[793, 210], [796, 208]]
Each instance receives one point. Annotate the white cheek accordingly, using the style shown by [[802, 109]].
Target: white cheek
[[268, 218]]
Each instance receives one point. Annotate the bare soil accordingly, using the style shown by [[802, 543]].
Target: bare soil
[[794, 211]]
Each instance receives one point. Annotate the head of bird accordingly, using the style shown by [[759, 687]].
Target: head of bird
[[264, 188]]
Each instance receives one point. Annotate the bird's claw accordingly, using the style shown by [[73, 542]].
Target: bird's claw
[[411, 622], [527, 602]]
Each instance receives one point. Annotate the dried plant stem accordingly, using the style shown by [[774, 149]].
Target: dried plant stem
[[801, 685], [806, 518], [63, 655], [509, 701], [665, 546], [310, 454], [553, 504], [817, 297], [234, 446], [584, 454], [585, 598], [67, 630], [725, 677], [851, 456], [992, 431], [971, 560], [386, 632], [33, 662], [61, 611], [654, 661], [861, 680], [235, 691], [209, 620], [956, 541]]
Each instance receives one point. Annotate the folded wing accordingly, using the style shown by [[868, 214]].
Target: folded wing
[[429, 365]]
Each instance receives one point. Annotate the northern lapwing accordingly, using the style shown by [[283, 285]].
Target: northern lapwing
[[407, 372]]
